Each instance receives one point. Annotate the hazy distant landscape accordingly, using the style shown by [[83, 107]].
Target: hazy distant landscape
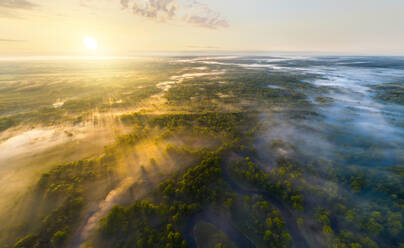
[[202, 151]]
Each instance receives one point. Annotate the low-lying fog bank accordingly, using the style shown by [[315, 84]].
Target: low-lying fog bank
[[270, 151], [27, 153]]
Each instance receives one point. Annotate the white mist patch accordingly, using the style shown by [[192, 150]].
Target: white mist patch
[[166, 85], [177, 79], [269, 66], [222, 95], [274, 87], [58, 104], [30, 142], [354, 101], [197, 74], [203, 59], [26, 153], [17, 156], [110, 200], [268, 63]]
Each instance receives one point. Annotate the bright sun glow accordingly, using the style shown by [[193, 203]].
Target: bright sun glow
[[90, 43]]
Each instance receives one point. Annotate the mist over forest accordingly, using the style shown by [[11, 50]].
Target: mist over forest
[[202, 151]]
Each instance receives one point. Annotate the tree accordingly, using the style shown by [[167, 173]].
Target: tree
[[373, 227], [58, 238], [300, 221], [268, 235]]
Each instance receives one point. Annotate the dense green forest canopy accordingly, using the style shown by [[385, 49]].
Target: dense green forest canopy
[[201, 155]]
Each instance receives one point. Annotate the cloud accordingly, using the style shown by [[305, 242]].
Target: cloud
[[203, 47], [11, 40], [207, 22], [17, 4], [161, 10], [125, 4], [202, 15], [191, 12]]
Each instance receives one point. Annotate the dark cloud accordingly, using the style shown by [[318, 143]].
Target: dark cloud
[[17, 4], [191, 12]]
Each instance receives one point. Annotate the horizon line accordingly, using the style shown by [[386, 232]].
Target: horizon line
[[179, 53]]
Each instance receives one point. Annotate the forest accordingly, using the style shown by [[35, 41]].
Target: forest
[[200, 155]]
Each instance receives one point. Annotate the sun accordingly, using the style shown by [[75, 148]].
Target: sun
[[90, 43]]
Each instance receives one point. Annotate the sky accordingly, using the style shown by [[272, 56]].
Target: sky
[[132, 27]]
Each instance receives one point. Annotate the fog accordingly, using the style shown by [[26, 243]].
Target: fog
[[339, 120], [354, 112], [103, 207], [26, 154]]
